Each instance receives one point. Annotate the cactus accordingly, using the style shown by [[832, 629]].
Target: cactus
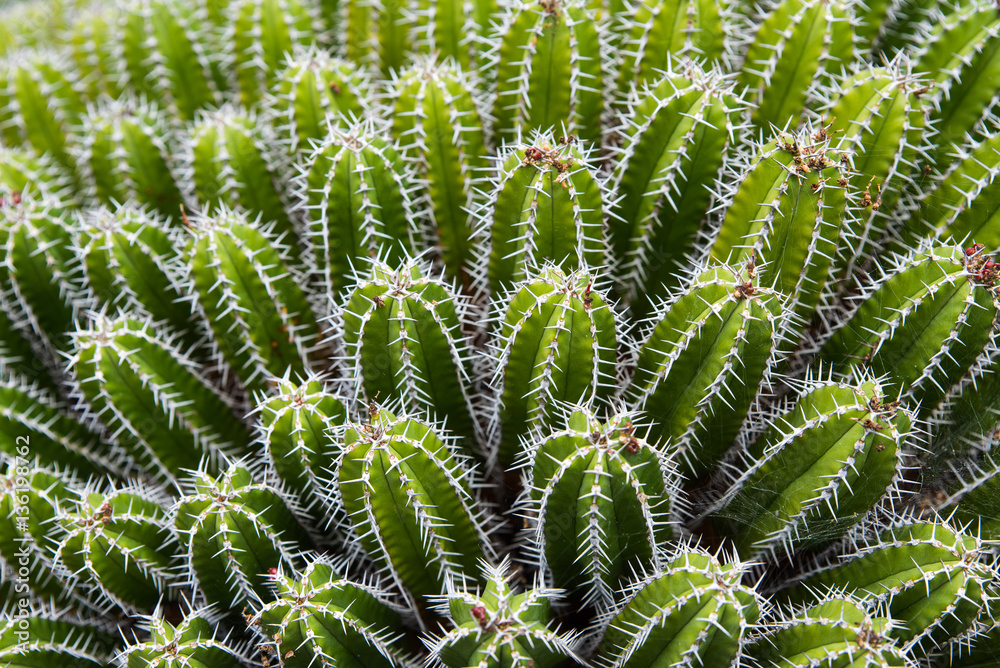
[[551, 316], [437, 123], [408, 499], [675, 138], [589, 531], [403, 331], [817, 470], [547, 58], [498, 627], [323, 617], [237, 532], [690, 610], [340, 332]]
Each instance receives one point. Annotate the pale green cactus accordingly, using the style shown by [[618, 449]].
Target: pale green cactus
[[193, 641]]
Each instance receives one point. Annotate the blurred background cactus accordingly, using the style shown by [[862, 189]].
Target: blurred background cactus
[[500, 333]]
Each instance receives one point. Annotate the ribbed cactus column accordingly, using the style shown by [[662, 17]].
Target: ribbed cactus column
[[264, 34], [30, 502], [236, 531], [500, 628], [838, 631], [229, 162], [952, 208], [404, 330], [661, 35], [121, 545], [313, 89], [92, 45], [261, 323], [132, 263], [124, 149], [693, 610], [786, 212], [323, 618], [356, 192], [548, 61], [601, 501], [816, 471], [922, 324], [49, 637], [377, 35], [40, 285], [436, 120], [796, 48], [555, 342], [549, 204], [927, 575], [702, 361], [193, 641], [960, 47], [675, 138], [296, 424], [22, 171], [166, 52], [153, 398], [409, 502], [41, 99], [32, 416], [453, 29], [879, 116]]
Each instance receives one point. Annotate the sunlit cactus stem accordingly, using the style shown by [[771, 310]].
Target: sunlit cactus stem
[[549, 61], [549, 204], [550, 318], [589, 532], [195, 640], [436, 120], [675, 136], [403, 330], [703, 359]]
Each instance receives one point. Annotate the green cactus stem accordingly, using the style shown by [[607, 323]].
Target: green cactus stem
[[878, 115], [45, 637], [92, 44], [409, 503], [124, 154], [816, 471], [703, 359], [453, 29], [323, 618], [922, 325], [497, 627], [314, 87], [228, 158], [378, 36], [261, 322], [436, 121], [547, 57], [838, 631], [237, 531], [153, 398], [599, 504], [264, 34], [355, 190], [121, 546], [132, 264], [295, 425], [693, 610], [676, 135], [556, 341], [403, 332], [24, 172], [661, 36], [191, 642], [786, 213], [926, 574], [549, 205], [798, 45]]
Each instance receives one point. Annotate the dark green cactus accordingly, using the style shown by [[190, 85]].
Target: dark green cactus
[[601, 498], [42, 638]]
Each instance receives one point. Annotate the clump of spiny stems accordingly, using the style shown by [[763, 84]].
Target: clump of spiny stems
[[499, 333]]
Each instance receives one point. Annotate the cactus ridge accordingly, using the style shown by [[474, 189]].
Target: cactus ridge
[[594, 541]]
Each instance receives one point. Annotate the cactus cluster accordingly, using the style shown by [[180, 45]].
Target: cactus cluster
[[500, 333]]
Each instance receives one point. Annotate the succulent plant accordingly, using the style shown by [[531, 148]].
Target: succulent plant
[[499, 333]]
